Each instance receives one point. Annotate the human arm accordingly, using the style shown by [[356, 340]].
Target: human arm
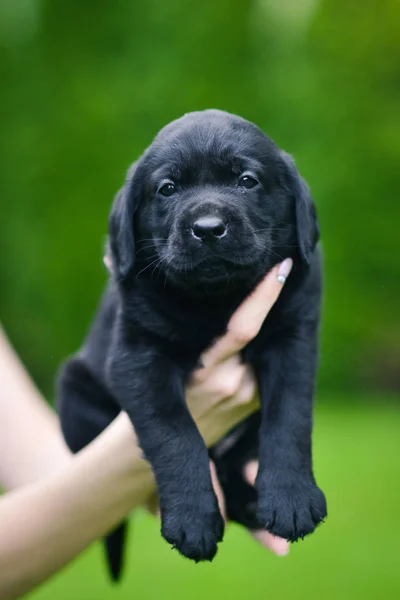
[[68, 502]]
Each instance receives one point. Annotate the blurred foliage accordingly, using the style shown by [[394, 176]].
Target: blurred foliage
[[85, 86]]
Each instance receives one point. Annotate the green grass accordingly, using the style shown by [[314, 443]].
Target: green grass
[[355, 554]]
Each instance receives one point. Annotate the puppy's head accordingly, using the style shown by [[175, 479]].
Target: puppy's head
[[212, 202]]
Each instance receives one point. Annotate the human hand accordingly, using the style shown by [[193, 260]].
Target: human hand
[[277, 545], [223, 392]]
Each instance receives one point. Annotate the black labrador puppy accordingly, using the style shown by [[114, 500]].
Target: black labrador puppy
[[205, 212]]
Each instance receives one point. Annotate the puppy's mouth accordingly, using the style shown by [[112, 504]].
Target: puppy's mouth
[[219, 272]]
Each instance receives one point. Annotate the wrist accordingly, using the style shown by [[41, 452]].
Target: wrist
[[124, 457]]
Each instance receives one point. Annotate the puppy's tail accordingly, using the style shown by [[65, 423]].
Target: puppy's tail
[[114, 545]]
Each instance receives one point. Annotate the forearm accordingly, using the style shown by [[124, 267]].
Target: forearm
[[31, 444], [64, 513]]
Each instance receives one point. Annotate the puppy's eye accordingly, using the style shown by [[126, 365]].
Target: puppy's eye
[[247, 182], [167, 189]]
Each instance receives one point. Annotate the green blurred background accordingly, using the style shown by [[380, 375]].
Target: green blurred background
[[85, 86]]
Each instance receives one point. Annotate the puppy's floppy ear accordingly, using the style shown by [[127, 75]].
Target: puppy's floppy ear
[[307, 226], [121, 224]]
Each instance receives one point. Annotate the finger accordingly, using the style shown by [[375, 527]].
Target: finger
[[218, 490], [250, 471], [249, 317], [237, 408], [239, 412], [153, 506], [248, 389], [277, 545], [246, 322], [221, 381]]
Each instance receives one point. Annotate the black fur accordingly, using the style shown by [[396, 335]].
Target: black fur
[[172, 293]]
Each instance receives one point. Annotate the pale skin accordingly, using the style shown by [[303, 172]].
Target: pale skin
[[58, 503]]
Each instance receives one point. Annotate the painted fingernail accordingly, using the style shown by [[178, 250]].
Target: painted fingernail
[[284, 270]]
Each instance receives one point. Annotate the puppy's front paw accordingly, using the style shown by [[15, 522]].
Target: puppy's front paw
[[194, 529], [288, 507]]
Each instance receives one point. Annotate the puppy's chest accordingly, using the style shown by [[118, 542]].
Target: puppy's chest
[[186, 345], [184, 329], [189, 338], [187, 326]]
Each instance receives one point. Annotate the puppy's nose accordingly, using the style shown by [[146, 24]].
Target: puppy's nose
[[208, 229]]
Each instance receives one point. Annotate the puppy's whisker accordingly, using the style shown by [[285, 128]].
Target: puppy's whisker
[[270, 229], [152, 256], [142, 250], [148, 247], [156, 267], [275, 253], [167, 272], [152, 240], [147, 267]]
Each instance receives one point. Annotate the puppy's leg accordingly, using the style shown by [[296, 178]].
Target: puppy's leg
[[150, 389], [84, 405], [290, 504]]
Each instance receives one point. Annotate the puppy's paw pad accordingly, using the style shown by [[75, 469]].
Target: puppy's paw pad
[[290, 510], [193, 533]]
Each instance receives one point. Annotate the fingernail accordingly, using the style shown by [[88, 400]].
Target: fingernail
[[284, 270]]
